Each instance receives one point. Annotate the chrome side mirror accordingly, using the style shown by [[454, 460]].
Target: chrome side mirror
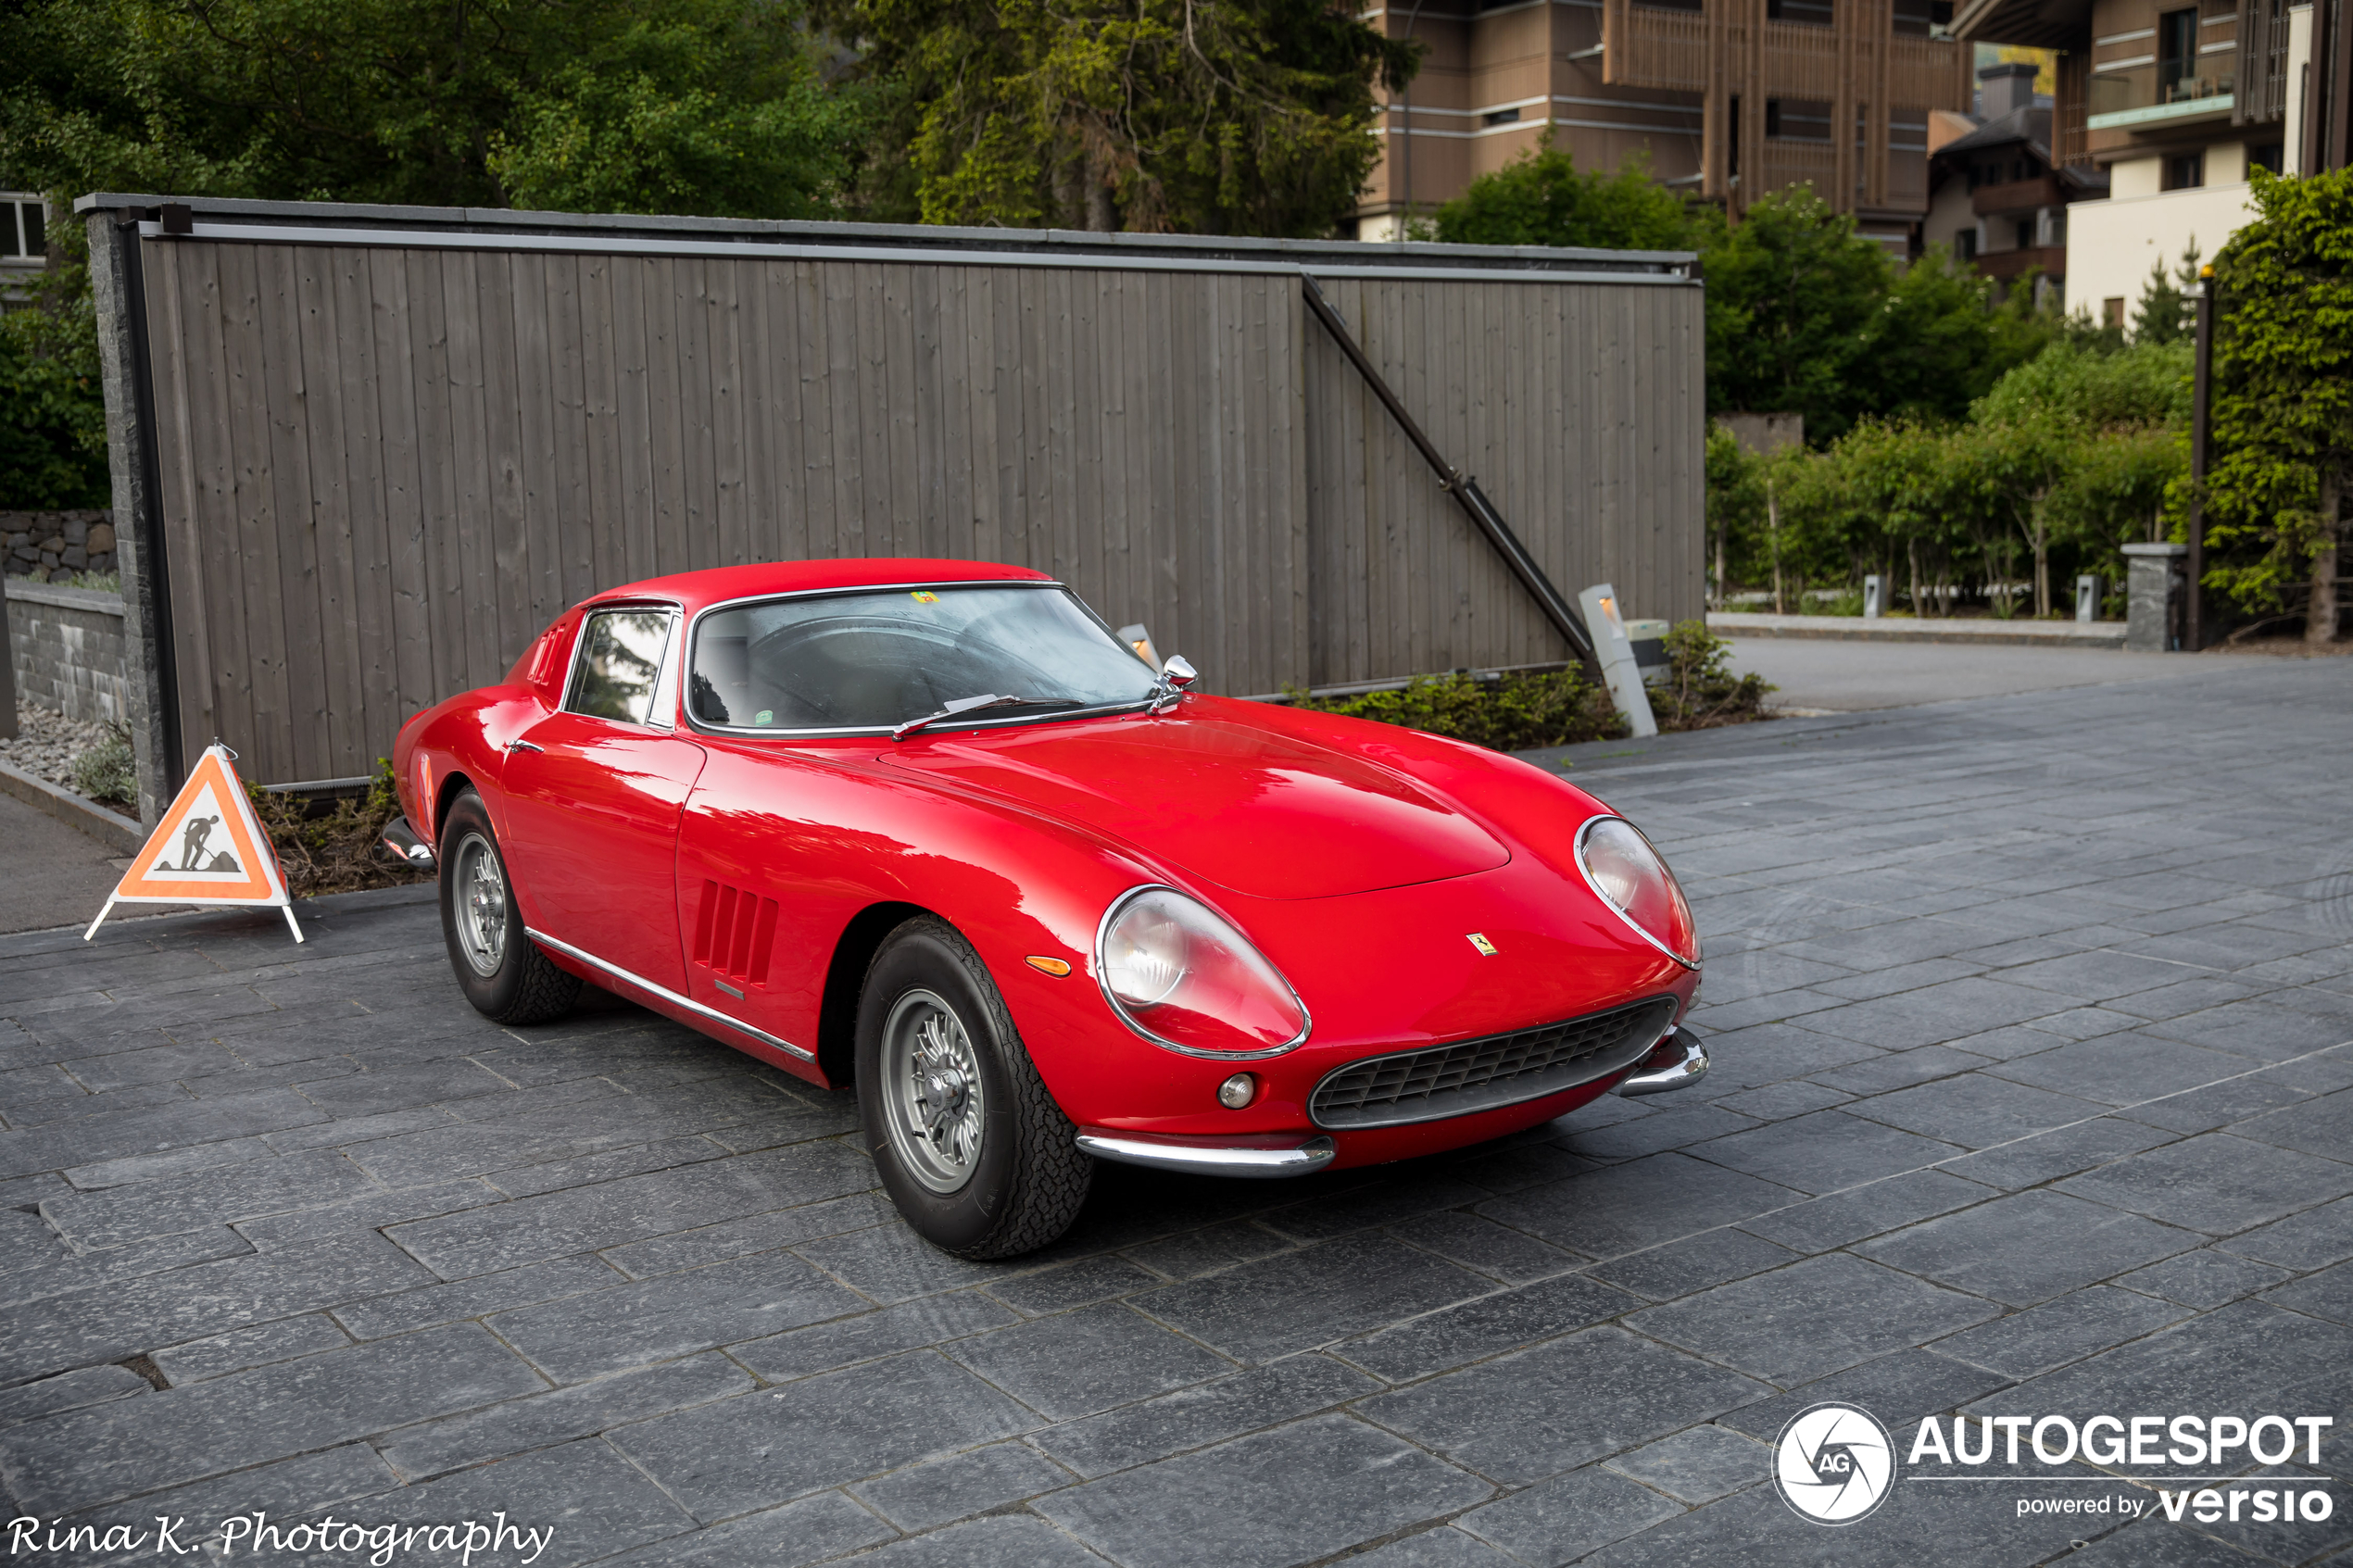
[[1179, 671]]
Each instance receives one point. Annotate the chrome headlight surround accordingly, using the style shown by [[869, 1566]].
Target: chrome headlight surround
[[1217, 928], [1674, 889]]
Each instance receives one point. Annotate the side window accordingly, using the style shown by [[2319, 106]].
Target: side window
[[620, 664]]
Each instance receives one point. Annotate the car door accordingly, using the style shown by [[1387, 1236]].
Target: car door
[[594, 792]]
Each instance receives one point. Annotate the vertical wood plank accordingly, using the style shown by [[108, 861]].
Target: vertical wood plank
[[408, 578]]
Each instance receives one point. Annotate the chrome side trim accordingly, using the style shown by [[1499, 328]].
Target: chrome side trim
[[403, 841], [1208, 1160], [1676, 1062], [667, 995], [1103, 929]]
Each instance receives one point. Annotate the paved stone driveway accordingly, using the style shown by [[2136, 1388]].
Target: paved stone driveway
[[2030, 1096]]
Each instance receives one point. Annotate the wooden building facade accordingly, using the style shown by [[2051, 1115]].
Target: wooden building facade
[[366, 455]]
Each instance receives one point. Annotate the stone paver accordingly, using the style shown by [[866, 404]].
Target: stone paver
[[2033, 1093]]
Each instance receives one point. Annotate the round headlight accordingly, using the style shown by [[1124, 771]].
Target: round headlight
[[1620, 865], [1179, 974]]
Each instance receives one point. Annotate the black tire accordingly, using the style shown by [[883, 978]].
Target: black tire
[[1027, 1180], [501, 971]]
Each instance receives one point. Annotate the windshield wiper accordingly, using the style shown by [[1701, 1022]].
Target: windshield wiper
[[975, 704]]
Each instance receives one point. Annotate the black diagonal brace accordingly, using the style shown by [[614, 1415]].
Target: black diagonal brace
[[1462, 486]]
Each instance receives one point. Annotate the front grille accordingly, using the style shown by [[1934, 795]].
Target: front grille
[[1384, 1091]]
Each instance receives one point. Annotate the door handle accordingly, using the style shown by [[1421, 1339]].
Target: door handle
[[524, 746]]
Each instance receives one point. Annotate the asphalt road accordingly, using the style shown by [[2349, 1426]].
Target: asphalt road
[[2032, 1095], [52, 869], [1843, 677]]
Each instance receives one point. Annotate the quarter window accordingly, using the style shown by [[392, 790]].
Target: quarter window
[[620, 664]]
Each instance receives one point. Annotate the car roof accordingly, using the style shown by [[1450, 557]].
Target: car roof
[[698, 590]]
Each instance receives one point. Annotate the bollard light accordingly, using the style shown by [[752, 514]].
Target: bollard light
[[1613, 651], [2087, 598], [1872, 604]]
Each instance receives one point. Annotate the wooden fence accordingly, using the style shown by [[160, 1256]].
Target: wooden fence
[[370, 454]]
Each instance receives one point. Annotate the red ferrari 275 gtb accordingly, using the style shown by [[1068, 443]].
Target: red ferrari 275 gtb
[[932, 828]]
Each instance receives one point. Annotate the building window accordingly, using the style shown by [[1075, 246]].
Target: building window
[[1502, 117], [2176, 53], [1924, 19], [2266, 154], [1797, 119], [2026, 234], [2059, 228], [23, 230], [1965, 245], [2185, 171], [2112, 313]]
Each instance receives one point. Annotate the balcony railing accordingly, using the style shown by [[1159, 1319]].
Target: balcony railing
[[1789, 162], [2005, 265], [2122, 102], [1662, 48], [2015, 195]]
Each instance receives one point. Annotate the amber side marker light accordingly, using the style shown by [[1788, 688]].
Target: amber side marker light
[[1049, 966]]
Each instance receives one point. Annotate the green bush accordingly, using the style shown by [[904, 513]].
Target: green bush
[[1511, 713], [338, 848], [1516, 713], [106, 772], [1700, 691]]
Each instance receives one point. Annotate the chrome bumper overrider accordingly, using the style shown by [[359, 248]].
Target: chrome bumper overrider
[[1278, 1155], [402, 840], [1676, 1062]]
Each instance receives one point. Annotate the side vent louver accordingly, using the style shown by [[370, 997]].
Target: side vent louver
[[734, 933]]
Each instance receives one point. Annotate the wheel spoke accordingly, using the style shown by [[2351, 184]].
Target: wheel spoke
[[937, 1117]]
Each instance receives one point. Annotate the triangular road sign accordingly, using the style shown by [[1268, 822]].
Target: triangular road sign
[[210, 850]]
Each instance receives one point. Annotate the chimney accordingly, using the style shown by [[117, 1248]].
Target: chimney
[[2004, 87]]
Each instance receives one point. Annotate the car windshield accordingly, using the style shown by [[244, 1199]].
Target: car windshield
[[875, 660]]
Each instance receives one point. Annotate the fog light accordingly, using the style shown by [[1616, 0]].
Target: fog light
[[1238, 1091]]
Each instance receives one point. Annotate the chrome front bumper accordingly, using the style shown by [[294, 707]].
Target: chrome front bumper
[[1282, 1154], [402, 840], [1676, 1062]]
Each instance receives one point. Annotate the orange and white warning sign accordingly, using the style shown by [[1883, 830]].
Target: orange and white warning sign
[[210, 850]]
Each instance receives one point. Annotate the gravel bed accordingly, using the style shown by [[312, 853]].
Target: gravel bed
[[48, 742]]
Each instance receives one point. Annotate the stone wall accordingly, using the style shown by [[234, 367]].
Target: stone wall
[[52, 546], [66, 646]]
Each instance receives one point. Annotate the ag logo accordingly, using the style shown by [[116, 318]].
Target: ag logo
[[1834, 1463]]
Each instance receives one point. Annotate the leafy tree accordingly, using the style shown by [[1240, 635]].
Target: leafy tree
[[1940, 341], [2164, 313], [1735, 501], [53, 415], [666, 105], [1542, 199], [1899, 475], [2080, 444], [2148, 384], [1792, 292], [2282, 397], [1185, 116]]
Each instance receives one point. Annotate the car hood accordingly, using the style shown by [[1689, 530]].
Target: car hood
[[1266, 815]]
